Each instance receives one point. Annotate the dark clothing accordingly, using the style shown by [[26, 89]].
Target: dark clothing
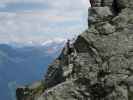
[[61, 56], [68, 47], [70, 50]]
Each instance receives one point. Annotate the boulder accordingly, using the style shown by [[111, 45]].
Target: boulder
[[105, 29], [99, 14], [125, 3], [129, 81], [72, 92]]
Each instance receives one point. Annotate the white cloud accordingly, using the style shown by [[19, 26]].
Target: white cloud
[[61, 16], [55, 40], [35, 22], [16, 1]]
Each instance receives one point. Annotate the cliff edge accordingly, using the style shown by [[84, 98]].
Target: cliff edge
[[99, 64]]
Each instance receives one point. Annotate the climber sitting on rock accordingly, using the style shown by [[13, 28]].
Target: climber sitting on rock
[[68, 52], [72, 51], [70, 47], [65, 51]]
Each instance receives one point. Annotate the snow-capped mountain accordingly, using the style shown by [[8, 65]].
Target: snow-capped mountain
[[34, 43]]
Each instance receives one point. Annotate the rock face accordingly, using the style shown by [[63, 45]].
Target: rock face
[[100, 66], [30, 92]]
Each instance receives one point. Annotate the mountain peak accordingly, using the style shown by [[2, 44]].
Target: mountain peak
[[98, 65]]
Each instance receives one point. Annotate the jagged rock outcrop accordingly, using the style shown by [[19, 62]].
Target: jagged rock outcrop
[[30, 92], [100, 66]]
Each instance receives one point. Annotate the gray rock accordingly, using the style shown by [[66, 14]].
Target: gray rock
[[117, 64], [102, 68], [97, 14], [106, 28], [98, 3], [124, 19], [72, 92], [129, 81], [120, 93], [54, 74], [124, 3], [108, 3], [131, 89]]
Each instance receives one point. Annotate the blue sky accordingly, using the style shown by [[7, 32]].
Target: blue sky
[[40, 20]]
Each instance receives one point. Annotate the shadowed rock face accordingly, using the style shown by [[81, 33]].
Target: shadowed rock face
[[115, 5], [102, 66], [120, 3]]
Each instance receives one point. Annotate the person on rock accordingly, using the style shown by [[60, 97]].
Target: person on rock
[[68, 52], [68, 47], [65, 51]]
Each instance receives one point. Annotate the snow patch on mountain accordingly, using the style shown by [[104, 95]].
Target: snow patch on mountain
[[55, 41], [46, 43]]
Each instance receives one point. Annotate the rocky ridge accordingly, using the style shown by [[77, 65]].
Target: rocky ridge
[[100, 66]]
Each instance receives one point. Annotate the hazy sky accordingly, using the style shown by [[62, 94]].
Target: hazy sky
[[40, 20]]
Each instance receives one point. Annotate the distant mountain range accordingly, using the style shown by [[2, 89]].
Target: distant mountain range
[[20, 65]]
